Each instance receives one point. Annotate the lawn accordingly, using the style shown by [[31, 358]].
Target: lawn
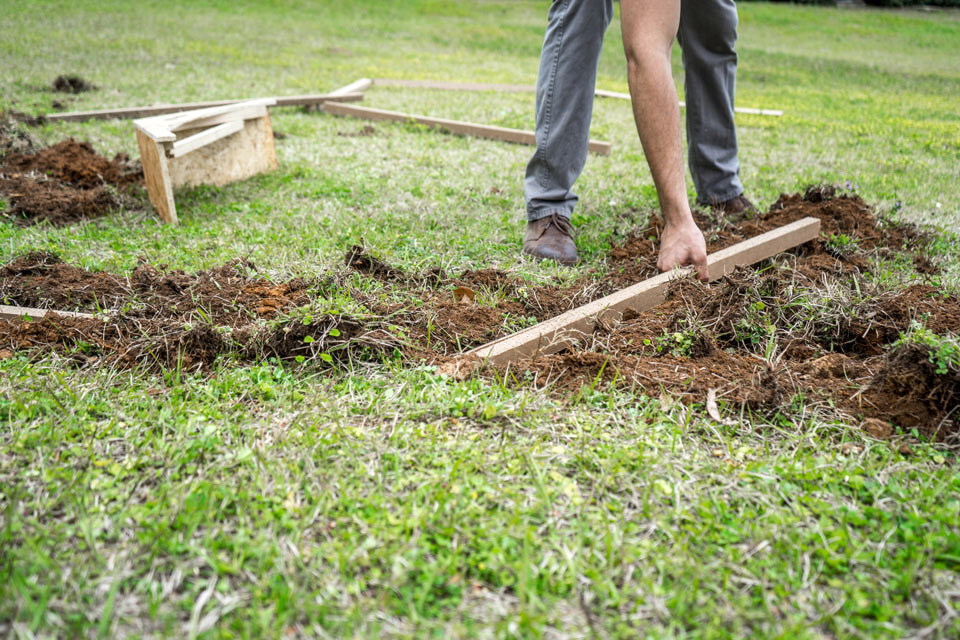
[[265, 498]]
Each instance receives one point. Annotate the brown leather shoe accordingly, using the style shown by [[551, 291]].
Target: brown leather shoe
[[738, 205], [551, 237]]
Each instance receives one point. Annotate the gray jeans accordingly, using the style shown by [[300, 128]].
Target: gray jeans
[[565, 93]]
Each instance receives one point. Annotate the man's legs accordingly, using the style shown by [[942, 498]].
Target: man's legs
[[708, 32], [565, 91], [649, 27]]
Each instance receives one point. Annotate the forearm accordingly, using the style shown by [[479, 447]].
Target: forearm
[[649, 27]]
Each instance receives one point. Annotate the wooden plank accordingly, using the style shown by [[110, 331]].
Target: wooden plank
[[190, 118], [8, 312], [129, 113], [205, 137], [454, 86], [247, 113], [452, 126], [154, 130], [556, 333], [527, 88], [359, 86], [157, 176], [683, 105]]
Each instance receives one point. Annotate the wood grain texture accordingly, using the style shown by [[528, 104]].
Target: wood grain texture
[[128, 113], [8, 312], [452, 126], [157, 176], [556, 333], [205, 137], [241, 155]]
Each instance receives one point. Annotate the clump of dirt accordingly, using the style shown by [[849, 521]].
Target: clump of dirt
[[72, 84], [65, 183], [358, 259], [910, 392]]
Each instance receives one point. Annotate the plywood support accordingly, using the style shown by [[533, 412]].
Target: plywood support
[[527, 88], [215, 145], [453, 126], [556, 333], [22, 313], [129, 113]]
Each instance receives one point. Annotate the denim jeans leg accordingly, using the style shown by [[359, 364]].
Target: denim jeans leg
[[565, 91], [708, 33]]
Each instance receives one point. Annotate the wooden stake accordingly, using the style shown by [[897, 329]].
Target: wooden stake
[[161, 109], [453, 126], [20, 313], [556, 333]]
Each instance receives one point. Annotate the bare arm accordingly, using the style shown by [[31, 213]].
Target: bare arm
[[649, 27]]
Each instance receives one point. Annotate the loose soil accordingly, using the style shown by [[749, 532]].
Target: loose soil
[[72, 84], [64, 183], [806, 325]]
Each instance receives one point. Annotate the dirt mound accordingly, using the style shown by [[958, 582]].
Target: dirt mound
[[761, 341], [72, 84], [160, 318], [912, 393], [64, 183]]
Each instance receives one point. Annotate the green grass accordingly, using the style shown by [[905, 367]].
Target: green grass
[[265, 500]]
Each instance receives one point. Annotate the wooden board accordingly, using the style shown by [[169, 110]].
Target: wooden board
[[20, 313], [157, 176], [556, 333], [129, 113], [243, 154], [453, 126], [455, 86], [205, 137], [358, 86], [527, 88]]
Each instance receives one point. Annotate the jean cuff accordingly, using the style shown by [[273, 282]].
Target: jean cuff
[[546, 212], [723, 197]]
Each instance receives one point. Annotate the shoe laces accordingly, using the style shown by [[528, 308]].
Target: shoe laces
[[560, 223]]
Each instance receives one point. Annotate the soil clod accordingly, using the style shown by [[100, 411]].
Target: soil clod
[[72, 84]]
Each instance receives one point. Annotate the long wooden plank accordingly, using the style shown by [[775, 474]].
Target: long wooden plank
[[8, 312], [358, 86], [554, 334], [128, 113], [194, 142], [453, 126], [174, 121], [601, 93], [454, 86], [246, 113], [526, 88]]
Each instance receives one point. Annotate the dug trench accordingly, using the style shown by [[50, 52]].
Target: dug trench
[[806, 328]]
